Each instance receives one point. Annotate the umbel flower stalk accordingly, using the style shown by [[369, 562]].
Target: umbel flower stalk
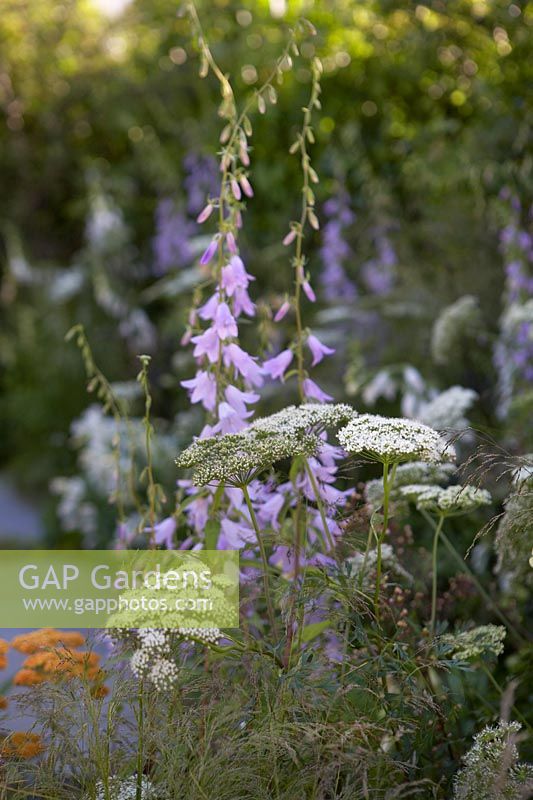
[[452, 501], [391, 441]]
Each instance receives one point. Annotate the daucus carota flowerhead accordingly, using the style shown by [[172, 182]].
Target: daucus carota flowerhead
[[236, 458], [308, 417], [452, 500], [393, 440]]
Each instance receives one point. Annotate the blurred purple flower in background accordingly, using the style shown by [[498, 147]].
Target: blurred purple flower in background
[[201, 180], [513, 352], [171, 241], [378, 273], [335, 250]]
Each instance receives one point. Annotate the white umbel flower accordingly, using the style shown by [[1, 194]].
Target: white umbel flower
[[392, 440], [163, 674], [236, 458], [452, 500], [305, 418], [359, 563], [448, 410], [126, 789]]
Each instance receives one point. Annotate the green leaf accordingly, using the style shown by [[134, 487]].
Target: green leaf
[[313, 630], [212, 530]]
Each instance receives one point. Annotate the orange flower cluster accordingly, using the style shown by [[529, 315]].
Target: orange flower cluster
[[51, 657], [4, 647], [45, 665], [45, 638], [21, 745]]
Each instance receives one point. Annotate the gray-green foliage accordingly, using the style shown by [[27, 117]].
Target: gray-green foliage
[[514, 537]]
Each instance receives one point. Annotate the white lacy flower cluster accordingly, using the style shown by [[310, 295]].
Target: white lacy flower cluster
[[491, 768], [393, 440], [485, 640], [456, 321], [358, 564], [452, 500], [447, 410], [126, 789], [152, 660], [308, 417], [203, 635], [412, 472], [235, 458]]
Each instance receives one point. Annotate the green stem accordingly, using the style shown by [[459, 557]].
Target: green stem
[[253, 518], [140, 745], [320, 505], [464, 566], [437, 533], [388, 480], [500, 691]]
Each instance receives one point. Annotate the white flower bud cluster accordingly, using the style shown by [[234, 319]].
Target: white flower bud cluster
[[357, 564], [452, 500], [163, 674], [305, 418], [483, 641], [447, 410], [393, 440], [412, 472], [154, 649], [203, 635], [152, 660], [126, 789]]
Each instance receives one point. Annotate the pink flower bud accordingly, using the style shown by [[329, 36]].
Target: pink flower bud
[[204, 214], [308, 289], [238, 220], [243, 155], [236, 189], [209, 252], [290, 237], [231, 243], [246, 186], [282, 311]]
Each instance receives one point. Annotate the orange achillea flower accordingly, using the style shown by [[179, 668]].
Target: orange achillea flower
[[50, 665], [28, 677], [46, 637], [21, 745], [4, 647]]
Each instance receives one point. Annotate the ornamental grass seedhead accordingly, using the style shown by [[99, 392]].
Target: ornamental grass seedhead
[[452, 500], [237, 458], [392, 440]]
